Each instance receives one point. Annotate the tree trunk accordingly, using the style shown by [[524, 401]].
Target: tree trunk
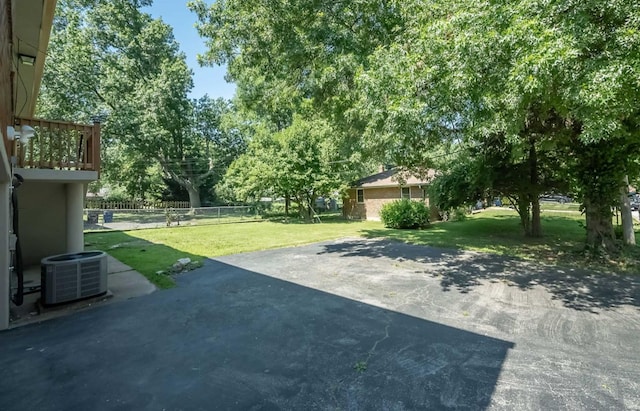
[[536, 227], [302, 209], [189, 184], [287, 204], [523, 212], [599, 173], [194, 196], [628, 236], [600, 234], [306, 208], [312, 207]]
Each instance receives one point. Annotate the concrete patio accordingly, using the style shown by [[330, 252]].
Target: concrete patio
[[123, 283]]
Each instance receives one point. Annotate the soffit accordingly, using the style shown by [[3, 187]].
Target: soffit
[[32, 20]]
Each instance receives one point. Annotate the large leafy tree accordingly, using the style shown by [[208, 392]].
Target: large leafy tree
[[559, 77], [110, 58], [198, 145], [554, 79], [283, 52], [287, 57], [300, 163], [496, 167]]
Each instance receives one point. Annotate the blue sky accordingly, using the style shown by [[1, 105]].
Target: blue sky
[[206, 80]]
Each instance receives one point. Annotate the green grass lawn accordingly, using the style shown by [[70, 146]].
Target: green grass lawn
[[493, 231], [562, 207], [149, 251], [496, 231], [129, 219]]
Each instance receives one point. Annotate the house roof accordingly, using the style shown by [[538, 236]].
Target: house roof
[[391, 178]]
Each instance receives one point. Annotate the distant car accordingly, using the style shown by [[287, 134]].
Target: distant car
[[634, 202], [558, 198]]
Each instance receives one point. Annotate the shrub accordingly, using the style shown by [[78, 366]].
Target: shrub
[[459, 214], [117, 194], [276, 209], [405, 214]]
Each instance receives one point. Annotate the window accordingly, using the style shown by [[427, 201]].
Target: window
[[425, 194], [360, 195], [406, 193]]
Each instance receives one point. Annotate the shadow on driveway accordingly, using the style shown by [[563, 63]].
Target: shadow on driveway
[[463, 270], [229, 338]]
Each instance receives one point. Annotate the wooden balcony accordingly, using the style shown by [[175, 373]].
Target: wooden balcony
[[58, 145]]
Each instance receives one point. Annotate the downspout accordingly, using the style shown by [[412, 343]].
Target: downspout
[[18, 297]]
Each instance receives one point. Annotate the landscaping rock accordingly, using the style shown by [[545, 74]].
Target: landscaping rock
[[184, 264]]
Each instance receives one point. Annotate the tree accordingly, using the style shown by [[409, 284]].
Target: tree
[[299, 163], [249, 176], [109, 57], [404, 79], [556, 75], [197, 148], [496, 167], [460, 185], [628, 235], [288, 51]]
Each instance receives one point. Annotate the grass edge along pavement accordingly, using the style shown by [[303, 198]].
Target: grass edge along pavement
[[492, 231], [153, 250]]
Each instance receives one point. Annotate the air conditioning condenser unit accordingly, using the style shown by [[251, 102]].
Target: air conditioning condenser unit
[[71, 277]]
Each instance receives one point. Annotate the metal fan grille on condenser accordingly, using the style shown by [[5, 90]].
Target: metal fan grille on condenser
[[72, 277]]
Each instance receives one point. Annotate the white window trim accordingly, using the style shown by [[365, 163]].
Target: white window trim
[[357, 190], [402, 196]]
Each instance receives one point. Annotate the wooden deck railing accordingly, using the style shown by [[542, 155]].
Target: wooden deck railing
[[59, 145]]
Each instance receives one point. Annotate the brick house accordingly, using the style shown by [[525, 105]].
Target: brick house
[[367, 195]]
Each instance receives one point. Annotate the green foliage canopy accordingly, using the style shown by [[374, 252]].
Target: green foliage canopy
[[403, 80], [111, 60]]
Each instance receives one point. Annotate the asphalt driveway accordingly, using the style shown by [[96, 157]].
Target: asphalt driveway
[[350, 325]]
